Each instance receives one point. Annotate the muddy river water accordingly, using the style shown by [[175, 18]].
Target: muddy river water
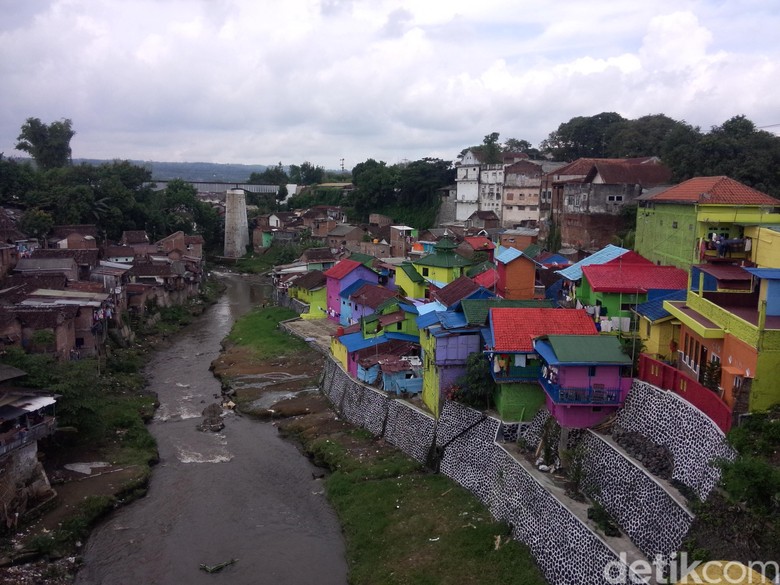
[[243, 493]]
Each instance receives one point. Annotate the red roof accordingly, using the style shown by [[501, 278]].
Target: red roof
[[630, 257], [371, 295], [487, 279], [615, 171], [714, 190], [634, 278], [514, 330], [342, 268], [480, 243], [455, 291]]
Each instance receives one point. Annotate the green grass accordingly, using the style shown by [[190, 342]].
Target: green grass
[[406, 526], [259, 330]]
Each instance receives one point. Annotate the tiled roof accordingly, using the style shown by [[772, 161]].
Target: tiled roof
[[311, 280], [631, 173], [353, 288], [582, 166], [631, 257], [515, 329], [135, 237], [477, 310], [455, 291], [342, 268], [83, 257], [585, 349], [44, 264], [480, 243], [610, 252], [313, 254], [714, 190], [654, 310], [371, 295], [633, 278], [342, 229]]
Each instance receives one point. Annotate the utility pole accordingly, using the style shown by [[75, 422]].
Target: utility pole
[[342, 166]]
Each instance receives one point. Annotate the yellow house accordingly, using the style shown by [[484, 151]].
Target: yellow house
[[430, 389], [765, 252], [311, 288], [443, 265], [339, 351], [657, 328], [409, 282]]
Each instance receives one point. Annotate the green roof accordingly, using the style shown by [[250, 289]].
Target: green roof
[[588, 349], [387, 303], [443, 259], [478, 269], [410, 271], [533, 251], [476, 310], [365, 259]]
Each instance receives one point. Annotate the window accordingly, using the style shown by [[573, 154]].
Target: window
[[674, 225], [591, 371], [532, 207], [425, 272], [398, 326], [510, 196], [614, 198]]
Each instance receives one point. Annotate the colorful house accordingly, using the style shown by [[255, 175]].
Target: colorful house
[[658, 330], [765, 245], [446, 341], [444, 265], [515, 364], [459, 289], [311, 288], [409, 283], [610, 291], [733, 338], [585, 378], [340, 277], [572, 275], [473, 244], [345, 315], [516, 274], [391, 316], [678, 226], [367, 299]]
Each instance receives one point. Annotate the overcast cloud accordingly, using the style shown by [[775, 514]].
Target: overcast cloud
[[260, 81]]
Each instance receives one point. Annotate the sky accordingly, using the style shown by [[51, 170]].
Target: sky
[[262, 82]]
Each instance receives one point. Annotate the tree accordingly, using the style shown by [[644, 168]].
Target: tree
[[491, 149], [306, 174], [644, 136], [583, 136], [270, 176], [47, 144], [36, 222], [476, 386]]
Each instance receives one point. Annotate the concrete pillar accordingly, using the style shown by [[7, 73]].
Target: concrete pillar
[[236, 224]]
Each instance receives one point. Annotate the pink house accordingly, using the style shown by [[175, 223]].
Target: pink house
[[585, 378], [339, 277]]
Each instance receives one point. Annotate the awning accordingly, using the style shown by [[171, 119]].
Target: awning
[[33, 403]]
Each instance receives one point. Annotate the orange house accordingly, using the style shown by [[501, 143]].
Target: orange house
[[516, 274]]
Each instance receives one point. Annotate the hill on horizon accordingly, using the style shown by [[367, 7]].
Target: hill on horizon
[[191, 171]]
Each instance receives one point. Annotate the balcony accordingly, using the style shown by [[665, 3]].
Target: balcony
[[594, 395], [16, 438], [517, 374]]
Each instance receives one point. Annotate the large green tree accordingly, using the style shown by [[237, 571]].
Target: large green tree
[[47, 144], [583, 136]]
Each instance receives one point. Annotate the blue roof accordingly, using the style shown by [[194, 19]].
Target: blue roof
[[654, 310], [765, 273], [506, 255], [402, 336], [427, 319], [546, 352], [552, 291], [356, 341], [452, 320], [407, 308], [555, 259], [610, 252], [353, 287], [487, 335]]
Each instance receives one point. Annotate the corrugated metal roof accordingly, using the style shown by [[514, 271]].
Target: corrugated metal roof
[[507, 255], [342, 268], [765, 273], [586, 349], [610, 252], [654, 310]]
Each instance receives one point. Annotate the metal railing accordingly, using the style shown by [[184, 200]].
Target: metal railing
[[595, 394]]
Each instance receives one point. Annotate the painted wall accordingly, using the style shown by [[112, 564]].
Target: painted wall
[[657, 336], [411, 289], [516, 279], [765, 248], [658, 240], [576, 416], [317, 301], [439, 274], [335, 286], [519, 401]]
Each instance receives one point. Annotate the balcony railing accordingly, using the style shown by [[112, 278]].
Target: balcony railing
[[23, 436], [517, 374], [593, 395]]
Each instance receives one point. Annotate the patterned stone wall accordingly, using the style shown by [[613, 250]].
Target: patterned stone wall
[[651, 518], [694, 440]]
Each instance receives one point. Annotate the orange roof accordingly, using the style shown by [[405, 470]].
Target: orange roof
[[342, 268], [480, 243], [714, 190], [514, 330]]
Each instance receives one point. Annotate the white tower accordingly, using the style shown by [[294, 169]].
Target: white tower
[[236, 224]]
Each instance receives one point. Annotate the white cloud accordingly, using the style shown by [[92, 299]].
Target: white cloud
[[260, 81]]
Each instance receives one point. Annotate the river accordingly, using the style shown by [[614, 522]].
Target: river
[[243, 493]]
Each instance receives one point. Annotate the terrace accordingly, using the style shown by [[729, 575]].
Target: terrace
[[592, 395]]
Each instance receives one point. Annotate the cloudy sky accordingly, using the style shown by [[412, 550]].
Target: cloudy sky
[[263, 81]]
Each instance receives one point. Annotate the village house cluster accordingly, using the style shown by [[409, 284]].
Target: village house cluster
[[694, 309], [63, 297]]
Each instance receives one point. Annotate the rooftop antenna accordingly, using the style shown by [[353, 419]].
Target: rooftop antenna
[[342, 166]]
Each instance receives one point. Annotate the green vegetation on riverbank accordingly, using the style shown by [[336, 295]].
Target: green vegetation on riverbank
[[260, 331], [404, 524]]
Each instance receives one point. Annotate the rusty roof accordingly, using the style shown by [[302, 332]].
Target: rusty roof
[[719, 190]]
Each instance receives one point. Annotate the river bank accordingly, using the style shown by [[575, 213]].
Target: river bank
[[402, 523]]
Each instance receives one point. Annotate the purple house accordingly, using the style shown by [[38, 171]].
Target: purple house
[[585, 378], [340, 277], [367, 299]]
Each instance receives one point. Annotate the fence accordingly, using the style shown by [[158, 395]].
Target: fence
[[670, 378]]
